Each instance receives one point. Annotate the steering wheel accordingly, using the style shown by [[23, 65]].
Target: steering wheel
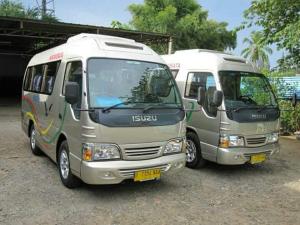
[[247, 99]]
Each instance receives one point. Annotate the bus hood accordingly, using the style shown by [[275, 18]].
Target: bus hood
[[249, 129], [132, 135]]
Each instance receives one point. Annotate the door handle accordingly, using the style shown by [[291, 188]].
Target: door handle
[[46, 110], [50, 107], [60, 116]]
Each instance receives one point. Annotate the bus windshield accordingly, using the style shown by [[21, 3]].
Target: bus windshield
[[246, 90], [122, 83]]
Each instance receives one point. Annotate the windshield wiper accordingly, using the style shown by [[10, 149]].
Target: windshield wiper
[[259, 109], [115, 105], [147, 108], [240, 108], [266, 107]]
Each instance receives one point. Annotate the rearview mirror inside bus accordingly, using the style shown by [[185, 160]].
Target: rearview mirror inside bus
[[160, 86], [201, 96], [72, 92]]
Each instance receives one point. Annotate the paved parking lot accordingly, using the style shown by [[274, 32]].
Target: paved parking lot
[[31, 191]]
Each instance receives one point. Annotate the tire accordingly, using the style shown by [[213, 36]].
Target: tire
[[193, 152], [32, 139], [63, 162]]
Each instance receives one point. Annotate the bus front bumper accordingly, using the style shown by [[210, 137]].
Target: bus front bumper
[[114, 172], [238, 156]]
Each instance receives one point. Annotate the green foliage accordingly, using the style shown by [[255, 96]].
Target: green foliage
[[278, 73], [49, 18], [289, 63], [280, 21], [290, 116], [118, 25], [257, 51], [185, 20], [253, 87], [16, 9]]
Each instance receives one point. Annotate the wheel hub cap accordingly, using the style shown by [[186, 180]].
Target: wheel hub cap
[[32, 139], [64, 164], [191, 151]]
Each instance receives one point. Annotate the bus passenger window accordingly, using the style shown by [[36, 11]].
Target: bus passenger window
[[37, 78], [27, 80], [50, 76], [174, 73]]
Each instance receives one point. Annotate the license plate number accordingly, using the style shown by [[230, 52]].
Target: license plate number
[[144, 175], [257, 158]]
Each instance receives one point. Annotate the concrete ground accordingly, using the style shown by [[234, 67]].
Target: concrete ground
[[31, 191]]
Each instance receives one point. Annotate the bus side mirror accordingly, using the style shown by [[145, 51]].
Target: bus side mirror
[[217, 98], [201, 96], [72, 92], [294, 100]]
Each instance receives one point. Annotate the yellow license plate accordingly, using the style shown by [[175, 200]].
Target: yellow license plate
[[257, 158], [144, 175]]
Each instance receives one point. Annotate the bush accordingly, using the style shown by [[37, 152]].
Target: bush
[[290, 116]]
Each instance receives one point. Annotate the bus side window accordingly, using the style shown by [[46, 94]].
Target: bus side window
[[174, 73], [205, 80], [28, 78], [74, 74], [194, 81], [210, 90], [50, 75], [37, 80]]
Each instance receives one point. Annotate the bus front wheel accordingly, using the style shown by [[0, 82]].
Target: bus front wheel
[[194, 157], [66, 176]]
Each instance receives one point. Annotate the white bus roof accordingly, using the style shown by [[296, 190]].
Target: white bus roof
[[207, 60], [94, 45]]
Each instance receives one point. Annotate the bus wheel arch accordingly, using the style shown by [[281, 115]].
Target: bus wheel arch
[[30, 124], [63, 163], [60, 140]]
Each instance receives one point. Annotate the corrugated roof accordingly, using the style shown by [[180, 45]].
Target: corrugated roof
[[27, 36]]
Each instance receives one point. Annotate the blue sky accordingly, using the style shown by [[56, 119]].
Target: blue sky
[[102, 12]]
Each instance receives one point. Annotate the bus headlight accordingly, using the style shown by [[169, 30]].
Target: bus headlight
[[227, 141], [272, 138], [173, 146], [97, 151]]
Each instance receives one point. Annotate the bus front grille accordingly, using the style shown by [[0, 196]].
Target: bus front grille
[[256, 141], [142, 151]]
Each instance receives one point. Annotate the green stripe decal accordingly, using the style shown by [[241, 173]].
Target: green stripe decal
[[55, 136], [189, 114], [33, 116]]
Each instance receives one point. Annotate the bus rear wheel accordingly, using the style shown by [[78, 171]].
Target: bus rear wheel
[[194, 157], [34, 148]]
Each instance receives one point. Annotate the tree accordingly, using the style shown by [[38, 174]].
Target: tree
[[280, 22], [185, 20], [257, 52], [16, 9], [118, 25]]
